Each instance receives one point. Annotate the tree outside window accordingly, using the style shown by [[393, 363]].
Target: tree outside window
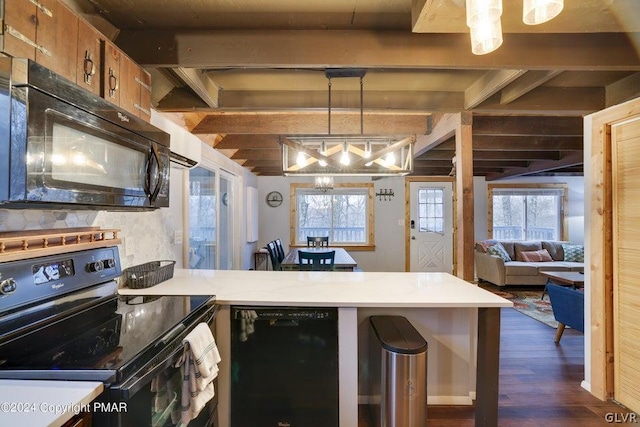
[[527, 211], [344, 214]]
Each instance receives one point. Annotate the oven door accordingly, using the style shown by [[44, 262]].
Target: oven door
[[75, 157], [153, 396]]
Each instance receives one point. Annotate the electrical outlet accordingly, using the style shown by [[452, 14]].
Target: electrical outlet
[[128, 246], [177, 237]]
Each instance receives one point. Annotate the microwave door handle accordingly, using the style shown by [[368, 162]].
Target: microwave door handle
[[154, 159]]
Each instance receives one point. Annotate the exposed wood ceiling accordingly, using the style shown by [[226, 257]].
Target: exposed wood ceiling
[[243, 72]]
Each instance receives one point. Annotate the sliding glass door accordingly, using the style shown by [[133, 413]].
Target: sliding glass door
[[211, 206]]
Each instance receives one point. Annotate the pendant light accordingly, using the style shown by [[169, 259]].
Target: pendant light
[[483, 11], [483, 20], [536, 12], [486, 37]]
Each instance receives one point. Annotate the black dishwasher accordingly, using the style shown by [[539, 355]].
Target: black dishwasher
[[284, 367]]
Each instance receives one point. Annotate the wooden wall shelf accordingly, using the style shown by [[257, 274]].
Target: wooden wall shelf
[[30, 244]]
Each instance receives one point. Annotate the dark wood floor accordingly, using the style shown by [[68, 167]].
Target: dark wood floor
[[539, 382]]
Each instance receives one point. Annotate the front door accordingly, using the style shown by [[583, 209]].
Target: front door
[[431, 227]]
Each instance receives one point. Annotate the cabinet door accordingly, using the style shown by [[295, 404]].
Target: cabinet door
[[20, 22], [57, 33], [88, 58], [111, 75], [144, 111], [129, 85]]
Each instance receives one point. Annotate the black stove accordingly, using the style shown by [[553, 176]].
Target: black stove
[[61, 318]]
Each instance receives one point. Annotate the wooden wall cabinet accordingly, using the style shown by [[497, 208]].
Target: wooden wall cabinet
[[127, 84], [48, 32]]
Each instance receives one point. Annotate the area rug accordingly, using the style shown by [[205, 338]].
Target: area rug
[[527, 301]]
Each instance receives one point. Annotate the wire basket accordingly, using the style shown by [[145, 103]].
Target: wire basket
[[149, 274]]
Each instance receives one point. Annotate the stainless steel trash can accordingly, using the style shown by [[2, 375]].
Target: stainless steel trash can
[[397, 373]]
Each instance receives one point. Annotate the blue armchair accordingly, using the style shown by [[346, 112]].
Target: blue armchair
[[568, 308]]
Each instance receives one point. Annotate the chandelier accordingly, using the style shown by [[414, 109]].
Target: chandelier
[[328, 155], [485, 27], [324, 183]]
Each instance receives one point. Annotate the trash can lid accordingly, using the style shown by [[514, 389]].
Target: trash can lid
[[398, 335]]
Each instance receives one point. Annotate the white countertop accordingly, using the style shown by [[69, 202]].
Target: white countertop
[[326, 289], [44, 403]]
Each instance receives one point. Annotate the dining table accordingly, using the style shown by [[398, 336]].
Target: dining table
[[342, 261]]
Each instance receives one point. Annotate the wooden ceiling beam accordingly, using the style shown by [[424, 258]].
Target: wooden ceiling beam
[[520, 143], [264, 154], [312, 123], [549, 101], [623, 90], [525, 84], [368, 49], [488, 85], [415, 101], [526, 125], [567, 161], [200, 84], [250, 141]]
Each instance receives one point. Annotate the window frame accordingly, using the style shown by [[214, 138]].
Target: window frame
[[563, 233], [293, 219]]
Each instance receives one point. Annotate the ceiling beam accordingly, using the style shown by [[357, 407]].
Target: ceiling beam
[[311, 123], [520, 143], [416, 101], [623, 90], [525, 84], [201, 84], [526, 125], [493, 155], [569, 160], [368, 49], [252, 141], [442, 131], [489, 84], [549, 101], [180, 99], [263, 154]]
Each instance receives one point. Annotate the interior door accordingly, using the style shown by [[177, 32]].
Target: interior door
[[431, 227], [626, 265]]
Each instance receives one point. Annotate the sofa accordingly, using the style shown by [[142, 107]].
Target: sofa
[[509, 262]]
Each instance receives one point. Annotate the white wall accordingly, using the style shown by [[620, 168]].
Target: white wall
[[575, 208], [389, 220]]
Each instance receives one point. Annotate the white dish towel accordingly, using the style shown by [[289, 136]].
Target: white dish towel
[[199, 368]]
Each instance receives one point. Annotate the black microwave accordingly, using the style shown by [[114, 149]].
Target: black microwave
[[64, 147]]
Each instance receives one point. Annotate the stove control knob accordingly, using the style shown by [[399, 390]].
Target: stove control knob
[[94, 267], [8, 286], [109, 263]]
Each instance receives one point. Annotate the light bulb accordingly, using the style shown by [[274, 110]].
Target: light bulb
[[344, 159], [367, 150], [390, 160], [486, 37], [300, 160]]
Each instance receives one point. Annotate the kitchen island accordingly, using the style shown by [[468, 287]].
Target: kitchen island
[[455, 317]]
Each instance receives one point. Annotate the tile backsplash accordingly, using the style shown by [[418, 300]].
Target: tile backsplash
[[146, 235]]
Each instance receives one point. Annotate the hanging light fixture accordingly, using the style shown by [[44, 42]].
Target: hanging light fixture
[[300, 159], [483, 11], [324, 183], [344, 158], [486, 37], [536, 12], [483, 20]]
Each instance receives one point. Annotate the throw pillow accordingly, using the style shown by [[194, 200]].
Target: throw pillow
[[573, 253], [536, 256], [500, 251], [485, 244]]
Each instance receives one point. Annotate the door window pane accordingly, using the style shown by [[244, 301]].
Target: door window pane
[[431, 210], [202, 219]]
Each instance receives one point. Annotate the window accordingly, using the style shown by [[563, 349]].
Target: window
[[345, 214], [527, 211], [431, 210]]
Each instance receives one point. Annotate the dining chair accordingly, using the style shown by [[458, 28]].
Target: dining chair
[[320, 241], [280, 249], [273, 254], [316, 261]]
